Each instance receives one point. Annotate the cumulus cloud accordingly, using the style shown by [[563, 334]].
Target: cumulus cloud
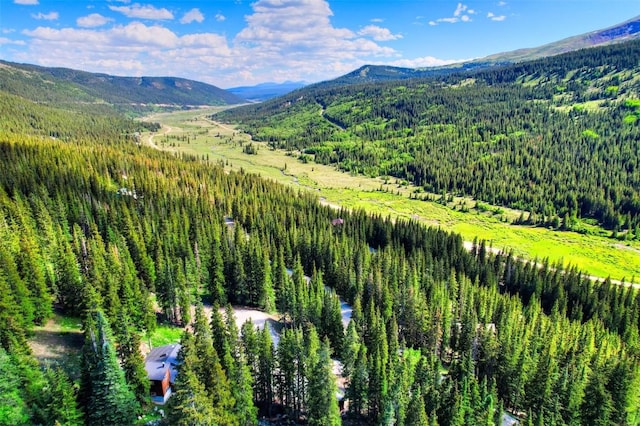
[[460, 9], [194, 15], [282, 40], [51, 16], [378, 33], [502, 3], [143, 12], [296, 38], [4, 40], [26, 2], [424, 62], [132, 49], [93, 20], [220, 17], [460, 14], [495, 17]]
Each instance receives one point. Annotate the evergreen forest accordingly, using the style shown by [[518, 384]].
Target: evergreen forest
[[557, 137], [93, 224]]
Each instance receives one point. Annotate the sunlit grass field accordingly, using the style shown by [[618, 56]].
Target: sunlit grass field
[[192, 132]]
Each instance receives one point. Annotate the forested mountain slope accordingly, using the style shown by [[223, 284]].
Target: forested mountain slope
[[122, 235], [63, 86], [557, 136], [620, 33]]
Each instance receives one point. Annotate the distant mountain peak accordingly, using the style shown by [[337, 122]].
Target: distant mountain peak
[[74, 86], [619, 33], [264, 91], [624, 31]]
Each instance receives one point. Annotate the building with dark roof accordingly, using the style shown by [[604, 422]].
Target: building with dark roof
[[161, 365]]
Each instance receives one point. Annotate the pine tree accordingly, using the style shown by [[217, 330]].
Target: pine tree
[[109, 398], [358, 385], [597, 405], [216, 273], [13, 409], [323, 404], [416, 414], [32, 265], [189, 403], [210, 372], [12, 329], [266, 365], [239, 373], [61, 403], [132, 361], [68, 278]]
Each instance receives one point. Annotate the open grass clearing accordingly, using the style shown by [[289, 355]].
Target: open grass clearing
[[58, 342], [221, 144]]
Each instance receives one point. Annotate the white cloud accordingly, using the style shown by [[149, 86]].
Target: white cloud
[[51, 16], [377, 20], [26, 2], [295, 40], [132, 49], [282, 40], [378, 33], [424, 62], [92, 20], [194, 15], [460, 14], [4, 40], [502, 3], [495, 17], [220, 17], [143, 12], [460, 9]]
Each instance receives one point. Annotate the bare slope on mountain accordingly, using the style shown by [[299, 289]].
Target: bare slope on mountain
[[620, 33]]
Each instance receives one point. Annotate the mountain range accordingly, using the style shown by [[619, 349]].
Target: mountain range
[[625, 31], [262, 92], [64, 86]]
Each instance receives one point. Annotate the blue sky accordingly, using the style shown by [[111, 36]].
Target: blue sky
[[236, 42]]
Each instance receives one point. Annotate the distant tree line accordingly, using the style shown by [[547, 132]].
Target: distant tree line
[[557, 136]]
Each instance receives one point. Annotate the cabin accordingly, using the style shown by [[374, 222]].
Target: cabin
[[161, 365]]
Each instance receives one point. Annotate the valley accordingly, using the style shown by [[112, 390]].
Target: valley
[[600, 256], [452, 245]]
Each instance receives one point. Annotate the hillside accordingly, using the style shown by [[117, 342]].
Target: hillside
[[536, 136], [128, 241], [620, 33], [79, 228], [385, 73], [63, 86]]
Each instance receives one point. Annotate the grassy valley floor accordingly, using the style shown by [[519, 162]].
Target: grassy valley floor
[[193, 133]]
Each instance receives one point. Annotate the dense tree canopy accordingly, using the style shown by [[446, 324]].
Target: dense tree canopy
[[557, 136], [118, 233]]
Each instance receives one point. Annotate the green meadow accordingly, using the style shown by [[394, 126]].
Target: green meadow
[[598, 255]]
